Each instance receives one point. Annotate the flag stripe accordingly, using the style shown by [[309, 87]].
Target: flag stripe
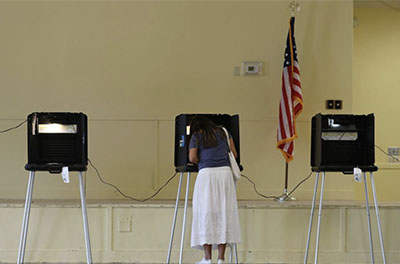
[[291, 103], [286, 94]]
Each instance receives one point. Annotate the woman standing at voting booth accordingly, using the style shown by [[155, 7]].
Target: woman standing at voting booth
[[215, 220]]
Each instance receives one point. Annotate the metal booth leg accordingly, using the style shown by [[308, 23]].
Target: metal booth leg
[[234, 249], [184, 217], [85, 220], [319, 217], [174, 220], [231, 254], [236, 254], [371, 247], [377, 217], [25, 220], [311, 218]]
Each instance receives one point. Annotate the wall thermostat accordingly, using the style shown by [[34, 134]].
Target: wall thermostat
[[251, 68]]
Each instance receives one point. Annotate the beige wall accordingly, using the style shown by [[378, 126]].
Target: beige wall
[[376, 82], [132, 66]]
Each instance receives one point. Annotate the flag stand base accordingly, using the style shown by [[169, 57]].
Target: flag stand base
[[285, 197]]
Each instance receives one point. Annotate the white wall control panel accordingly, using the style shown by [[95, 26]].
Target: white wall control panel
[[252, 68]]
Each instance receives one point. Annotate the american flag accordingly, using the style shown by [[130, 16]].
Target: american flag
[[291, 103]]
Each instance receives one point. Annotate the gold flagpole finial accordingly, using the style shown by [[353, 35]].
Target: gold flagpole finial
[[294, 6]]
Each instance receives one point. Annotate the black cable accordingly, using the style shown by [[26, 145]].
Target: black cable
[[255, 189], [276, 197], [309, 175], [12, 128], [127, 196], [387, 154]]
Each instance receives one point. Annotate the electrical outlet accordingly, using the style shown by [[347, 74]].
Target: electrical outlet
[[329, 104], [394, 154], [125, 223], [334, 104], [338, 104]]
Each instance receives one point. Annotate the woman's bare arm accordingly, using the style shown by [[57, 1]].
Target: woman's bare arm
[[232, 147], [193, 157]]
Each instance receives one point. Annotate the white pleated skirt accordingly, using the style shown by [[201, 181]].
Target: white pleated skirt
[[215, 211]]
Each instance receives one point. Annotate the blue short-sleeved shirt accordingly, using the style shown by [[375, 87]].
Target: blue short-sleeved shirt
[[211, 157]]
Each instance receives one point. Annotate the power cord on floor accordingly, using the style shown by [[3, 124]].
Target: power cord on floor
[[12, 128], [127, 196]]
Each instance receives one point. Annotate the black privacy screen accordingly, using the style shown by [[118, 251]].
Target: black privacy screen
[[57, 140], [182, 137], [342, 142]]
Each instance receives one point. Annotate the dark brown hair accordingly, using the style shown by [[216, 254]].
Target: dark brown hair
[[204, 126]]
